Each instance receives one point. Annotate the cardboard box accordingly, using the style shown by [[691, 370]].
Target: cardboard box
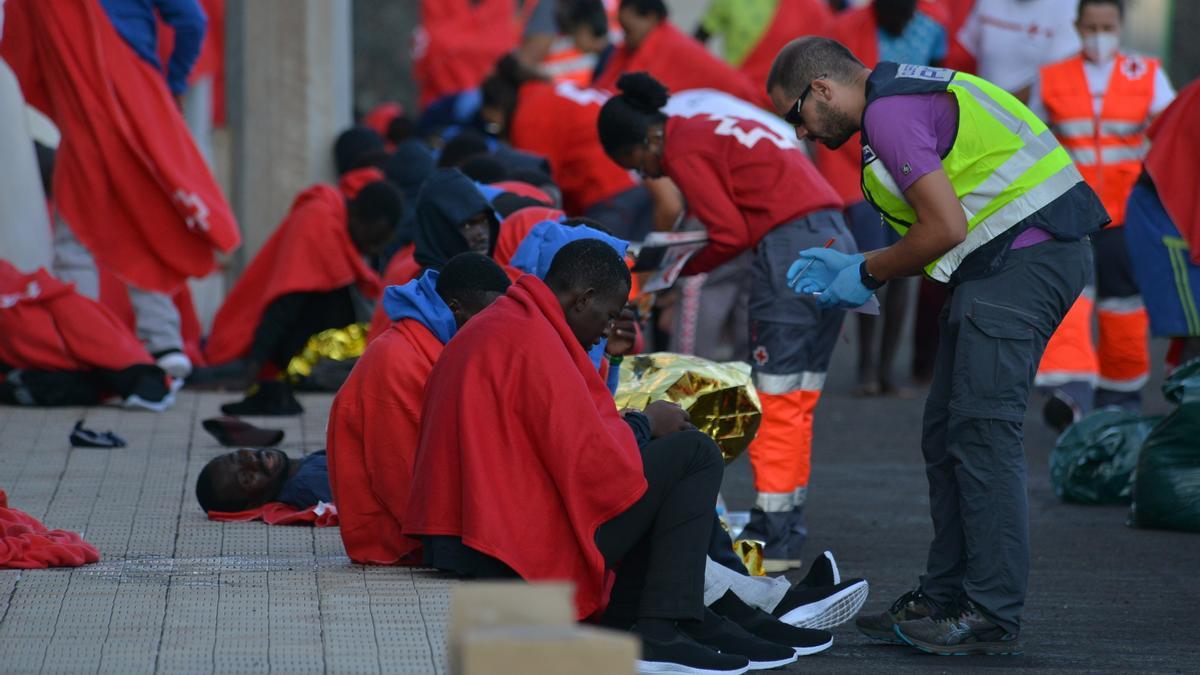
[[502, 627], [543, 650]]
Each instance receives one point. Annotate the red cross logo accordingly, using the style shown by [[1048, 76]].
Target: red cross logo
[[195, 210], [761, 356]]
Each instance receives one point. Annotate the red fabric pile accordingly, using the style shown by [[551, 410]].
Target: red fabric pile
[[26, 544]]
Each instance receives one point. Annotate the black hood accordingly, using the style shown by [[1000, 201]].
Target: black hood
[[447, 199]]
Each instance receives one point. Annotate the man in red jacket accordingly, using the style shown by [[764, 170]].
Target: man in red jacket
[[375, 421]]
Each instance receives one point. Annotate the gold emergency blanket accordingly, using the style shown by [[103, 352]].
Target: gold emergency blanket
[[751, 553], [335, 344], [720, 397]]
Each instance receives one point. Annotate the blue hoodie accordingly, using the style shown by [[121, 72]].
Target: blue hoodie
[[418, 299], [537, 251]]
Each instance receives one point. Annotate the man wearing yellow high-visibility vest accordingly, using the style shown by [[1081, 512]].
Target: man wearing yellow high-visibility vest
[[987, 202]]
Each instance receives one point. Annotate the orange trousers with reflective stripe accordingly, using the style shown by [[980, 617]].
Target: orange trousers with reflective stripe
[[1122, 361], [782, 451]]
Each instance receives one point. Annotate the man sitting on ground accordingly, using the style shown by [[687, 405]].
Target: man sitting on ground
[[300, 283], [555, 485], [375, 421]]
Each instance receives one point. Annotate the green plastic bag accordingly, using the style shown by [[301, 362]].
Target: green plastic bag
[[1184, 383], [1094, 460], [1166, 492]]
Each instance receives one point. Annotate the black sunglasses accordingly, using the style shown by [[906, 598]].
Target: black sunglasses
[[793, 116]]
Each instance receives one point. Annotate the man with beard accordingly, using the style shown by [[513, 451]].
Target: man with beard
[[987, 202], [247, 479]]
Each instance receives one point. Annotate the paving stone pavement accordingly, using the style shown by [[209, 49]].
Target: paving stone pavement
[[176, 593]]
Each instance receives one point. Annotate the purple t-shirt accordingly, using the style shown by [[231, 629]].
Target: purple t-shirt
[[911, 134]]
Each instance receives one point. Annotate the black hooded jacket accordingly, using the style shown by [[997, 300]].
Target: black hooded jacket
[[447, 199]]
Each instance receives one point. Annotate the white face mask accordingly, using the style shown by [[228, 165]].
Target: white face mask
[[1101, 47]]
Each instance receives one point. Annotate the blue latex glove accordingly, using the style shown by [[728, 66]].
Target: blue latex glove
[[847, 291], [816, 268]]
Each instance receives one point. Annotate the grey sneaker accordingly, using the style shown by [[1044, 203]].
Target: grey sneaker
[[963, 635], [912, 605]]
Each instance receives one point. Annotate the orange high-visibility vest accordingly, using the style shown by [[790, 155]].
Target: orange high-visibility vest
[[1108, 149], [565, 63]]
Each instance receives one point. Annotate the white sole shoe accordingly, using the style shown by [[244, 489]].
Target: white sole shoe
[[668, 668], [177, 365], [834, 610], [809, 651], [768, 665]]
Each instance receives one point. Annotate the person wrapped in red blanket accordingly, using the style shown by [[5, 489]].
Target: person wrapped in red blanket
[[267, 485], [654, 45], [26, 544], [130, 179], [58, 347], [525, 467], [299, 284], [375, 421]]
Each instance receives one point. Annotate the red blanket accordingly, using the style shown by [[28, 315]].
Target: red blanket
[[516, 227], [680, 62], [355, 180], [522, 451], [459, 42], [27, 544], [401, 269], [278, 513], [1174, 164], [374, 427], [128, 176], [46, 325], [310, 251]]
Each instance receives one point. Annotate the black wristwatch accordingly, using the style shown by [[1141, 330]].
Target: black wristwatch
[[869, 281]]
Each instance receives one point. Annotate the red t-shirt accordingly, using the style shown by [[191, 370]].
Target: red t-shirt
[[741, 180], [559, 123]]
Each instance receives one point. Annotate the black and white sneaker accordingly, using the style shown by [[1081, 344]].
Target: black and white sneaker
[[805, 641], [681, 655], [717, 632], [823, 607], [822, 572]]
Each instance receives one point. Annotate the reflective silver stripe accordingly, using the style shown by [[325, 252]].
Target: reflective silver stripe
[[1121, 128], [881, 174], [774, 502], [1083, 156], [1125, 305], [767, 383], [1112, 154], [1060, 377], [1013, 122], [1123, 385], [1089, 292], [1036, 149], [1008, 215], [800, 496], [1076, 127], [1122, 153]]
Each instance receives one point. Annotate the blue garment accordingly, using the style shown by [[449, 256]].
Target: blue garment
[[310, 484], [923, 41], [135, 21], [1162, 266], [418, 299], [537, 251], [489, 192]]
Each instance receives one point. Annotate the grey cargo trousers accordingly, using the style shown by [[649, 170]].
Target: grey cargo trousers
[[993, 332]]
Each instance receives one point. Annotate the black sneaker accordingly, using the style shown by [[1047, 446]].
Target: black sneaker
[[684, 656], [908, 607], [717, 632], [966, 634], [822, 572], [822, 607], [266, 398], [805, 641]]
